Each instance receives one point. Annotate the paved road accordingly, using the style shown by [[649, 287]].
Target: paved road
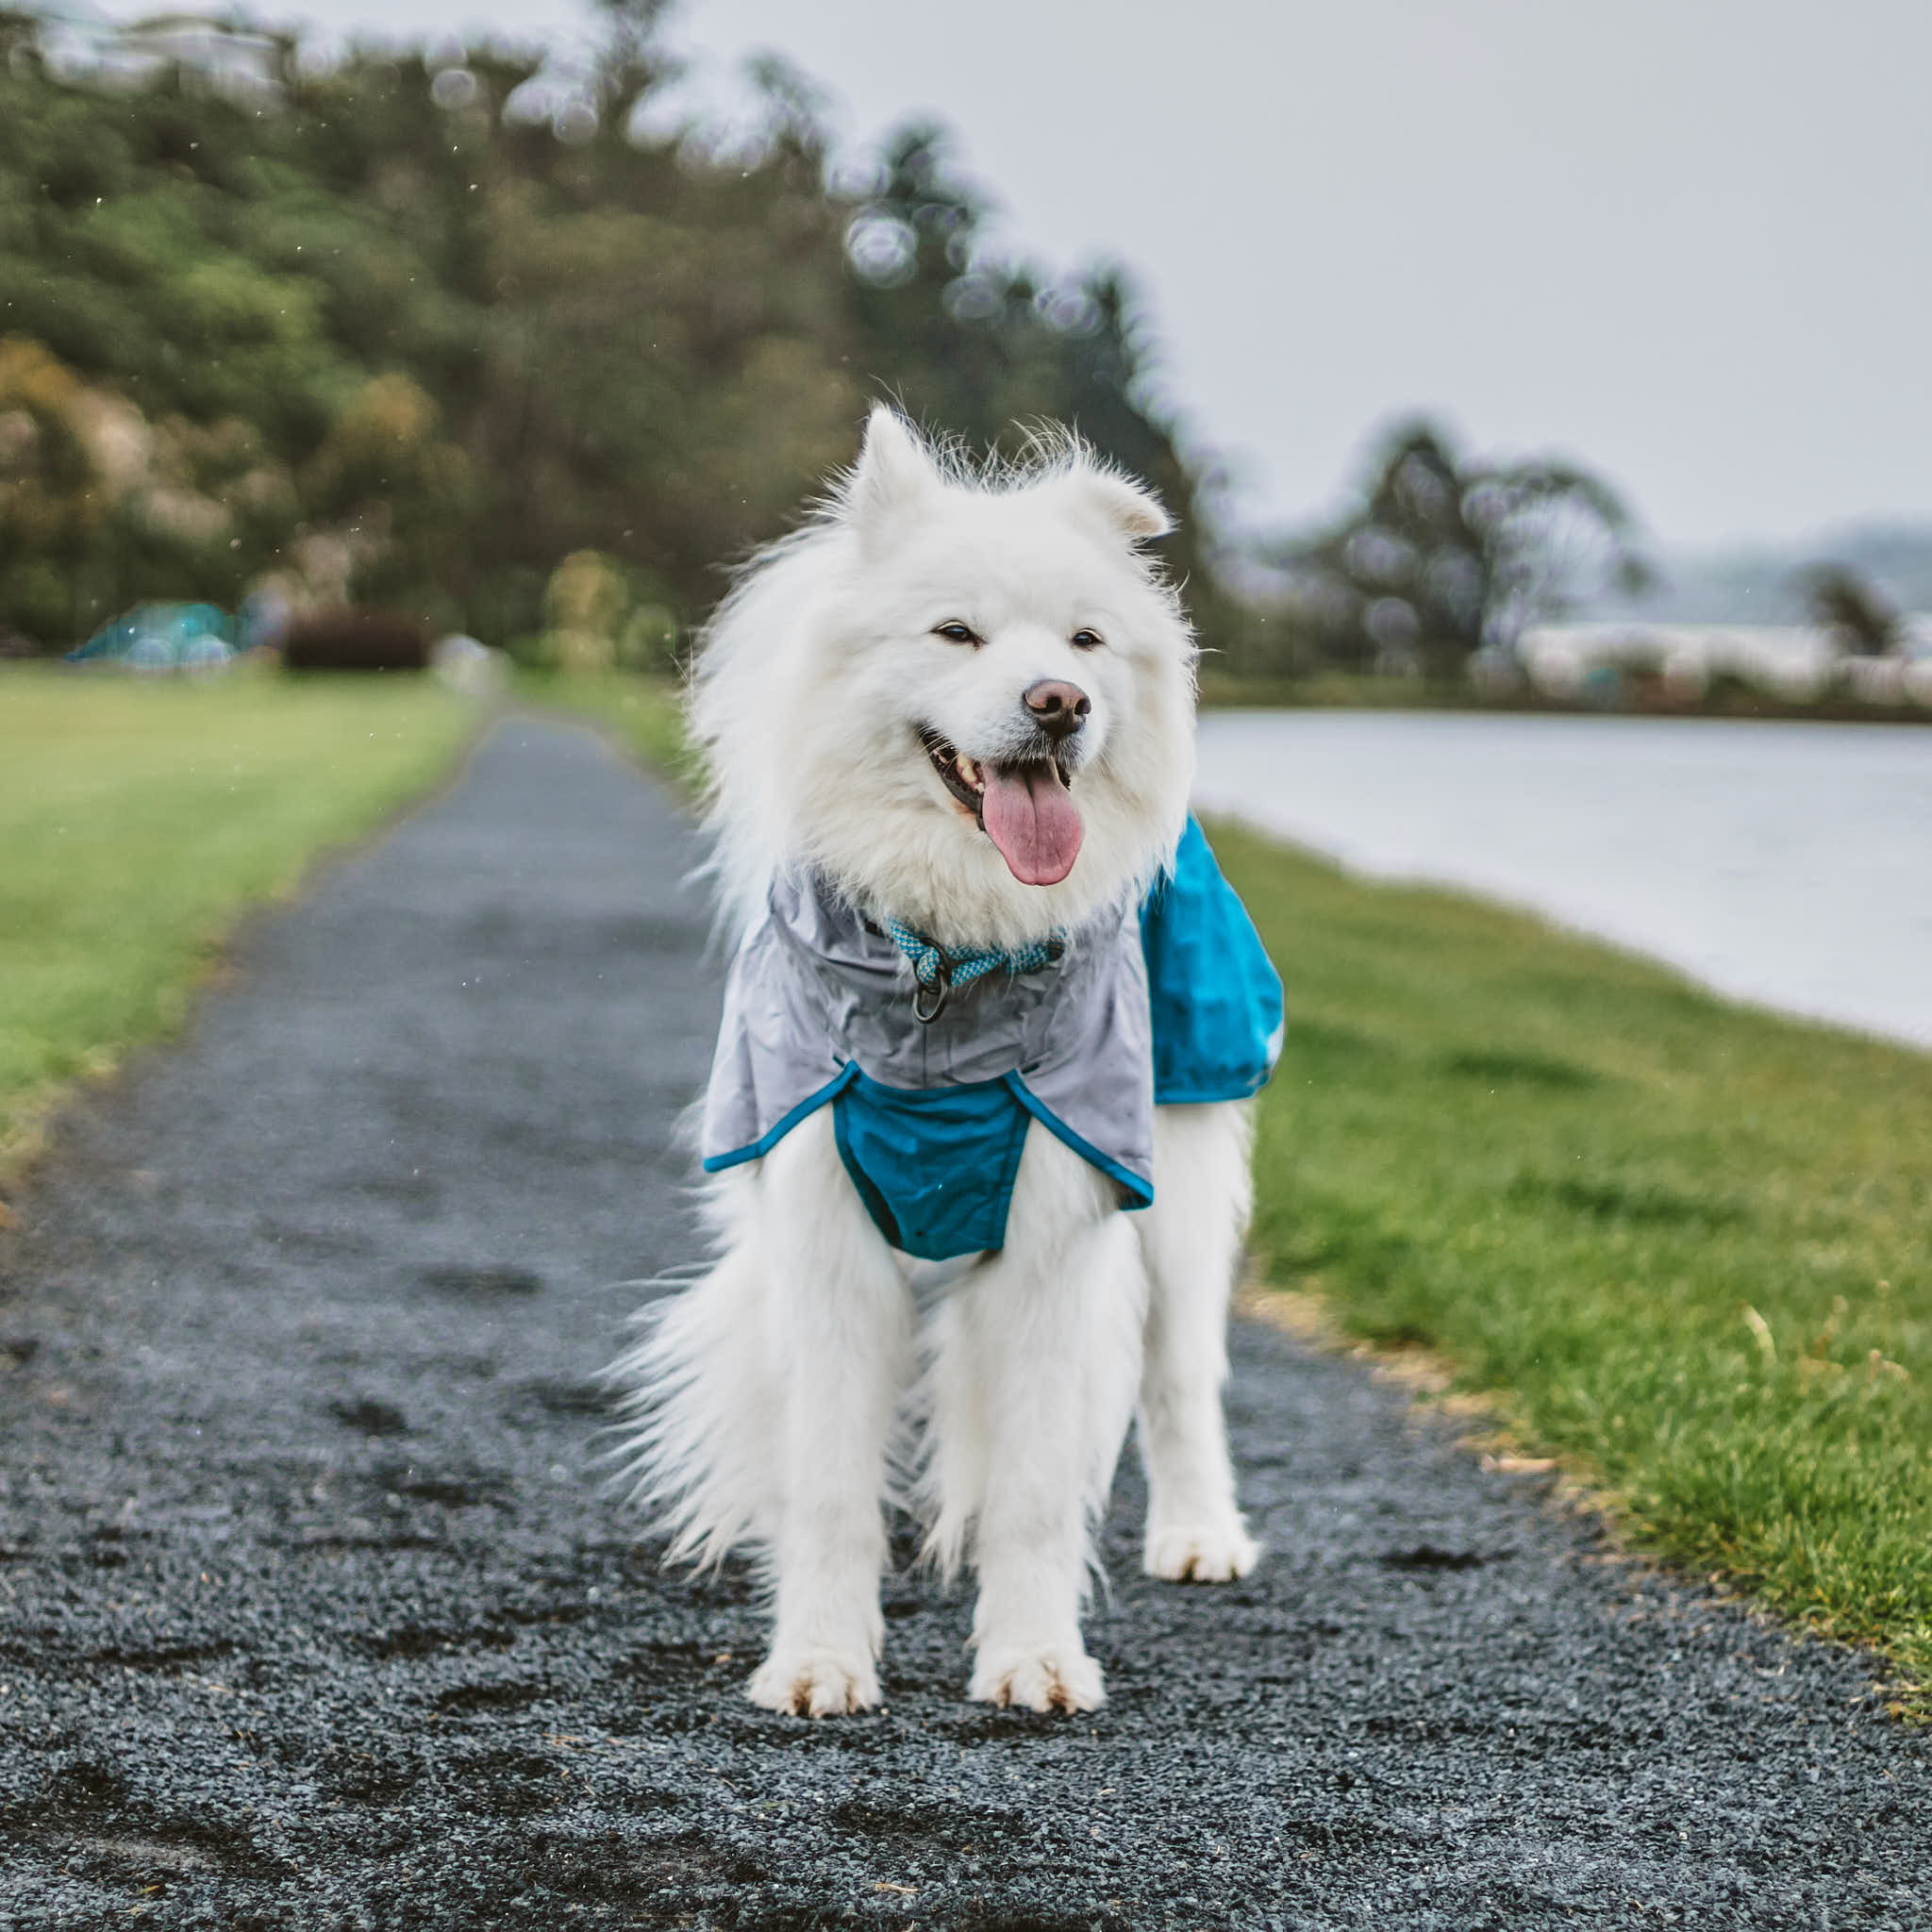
[[311, 1615]]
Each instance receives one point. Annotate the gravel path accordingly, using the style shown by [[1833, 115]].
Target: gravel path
[[310, 1614]]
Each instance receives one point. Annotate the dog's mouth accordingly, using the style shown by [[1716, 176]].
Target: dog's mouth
[[1025, 806]]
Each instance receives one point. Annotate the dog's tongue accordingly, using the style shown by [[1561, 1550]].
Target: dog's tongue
[[1032, 818]]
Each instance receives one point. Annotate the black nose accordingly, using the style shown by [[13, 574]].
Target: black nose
[[1059, 709]]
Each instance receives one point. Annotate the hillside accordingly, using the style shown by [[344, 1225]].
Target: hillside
[[412, 329]]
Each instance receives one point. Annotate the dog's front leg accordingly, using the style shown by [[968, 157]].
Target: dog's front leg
[[1038, 1365], [842, 1326], [1192, 1239]]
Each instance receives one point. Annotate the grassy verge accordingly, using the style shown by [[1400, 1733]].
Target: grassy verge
[[139, 819], [1687, 1245], [1684, 1246]]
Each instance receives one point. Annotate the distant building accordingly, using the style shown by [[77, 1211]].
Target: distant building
[[76, 39], [1798, 663]]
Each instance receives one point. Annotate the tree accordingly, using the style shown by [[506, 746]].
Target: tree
[[53, 507], [416, 327], [1444, 555], [1857, 615]]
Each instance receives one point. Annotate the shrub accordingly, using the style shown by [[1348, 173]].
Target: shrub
[[356, 640]]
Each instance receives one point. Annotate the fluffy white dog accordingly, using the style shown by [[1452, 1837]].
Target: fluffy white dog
[[949, 728]]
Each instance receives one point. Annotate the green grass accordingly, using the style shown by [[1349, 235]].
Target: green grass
[[139, 819], [1687, 1244], [1684, 1246]]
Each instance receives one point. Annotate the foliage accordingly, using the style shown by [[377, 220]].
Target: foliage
[[974, 345], [49, 513], [584, 603], [361, 638], [1444, 555], [139, 819], [1686, 1245], [416, 329], [1851, 609]]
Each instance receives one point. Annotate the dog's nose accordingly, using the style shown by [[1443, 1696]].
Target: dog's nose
[[1059, 709]]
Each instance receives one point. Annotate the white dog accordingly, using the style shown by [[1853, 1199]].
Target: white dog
[[949, 732]]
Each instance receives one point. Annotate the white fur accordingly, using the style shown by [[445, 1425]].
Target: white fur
[[785, 1398]]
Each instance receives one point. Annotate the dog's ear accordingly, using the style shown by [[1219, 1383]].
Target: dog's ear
[[893, 475], [1126, 509]]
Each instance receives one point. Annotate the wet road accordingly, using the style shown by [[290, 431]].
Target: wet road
[[312, 1615]]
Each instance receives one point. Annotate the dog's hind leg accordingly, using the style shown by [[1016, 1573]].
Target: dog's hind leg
[[841, 1332], [1034, 1382], [1191, 1238]]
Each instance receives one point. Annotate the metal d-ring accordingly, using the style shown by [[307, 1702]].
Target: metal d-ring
[[925, 1015]]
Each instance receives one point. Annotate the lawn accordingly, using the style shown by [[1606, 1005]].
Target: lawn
[[1681, 1245], [139, 819], [1686, 1245]]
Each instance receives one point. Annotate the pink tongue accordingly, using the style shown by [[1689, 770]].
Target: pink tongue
[[1032, 818]]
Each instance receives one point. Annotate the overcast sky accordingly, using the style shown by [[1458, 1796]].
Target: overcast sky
[[1689, 241]]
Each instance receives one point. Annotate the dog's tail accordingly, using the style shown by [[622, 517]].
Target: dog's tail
[[690, 1406]]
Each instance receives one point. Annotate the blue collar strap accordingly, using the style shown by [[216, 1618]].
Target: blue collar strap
[[937, 972]]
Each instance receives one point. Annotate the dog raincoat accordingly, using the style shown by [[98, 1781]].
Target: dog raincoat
[[1169, 1001]]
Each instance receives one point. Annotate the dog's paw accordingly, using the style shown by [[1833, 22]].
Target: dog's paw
[[1200, 1553], [814, 1683], [1062, 1677]]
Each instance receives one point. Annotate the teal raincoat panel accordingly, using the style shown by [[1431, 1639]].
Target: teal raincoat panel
[[1215, 995]]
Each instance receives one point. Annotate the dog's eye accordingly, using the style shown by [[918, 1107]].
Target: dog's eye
[[955, 633], [1087, 641]]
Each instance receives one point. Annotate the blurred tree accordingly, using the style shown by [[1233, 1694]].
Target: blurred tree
[[585, 602], [53, 508], [416, 326], [98, 505], [976, 347], [1443, 556], [398, 494], [1857, 616]]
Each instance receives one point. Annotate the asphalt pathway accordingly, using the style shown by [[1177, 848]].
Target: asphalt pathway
[[311, 1613]]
